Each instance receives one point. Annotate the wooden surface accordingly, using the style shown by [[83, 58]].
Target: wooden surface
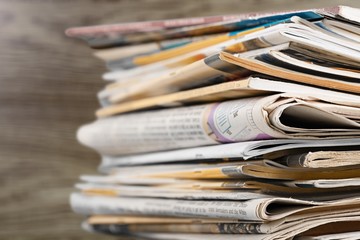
[[48, 84]]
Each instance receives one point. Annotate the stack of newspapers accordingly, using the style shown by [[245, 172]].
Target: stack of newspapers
[[226, 127]]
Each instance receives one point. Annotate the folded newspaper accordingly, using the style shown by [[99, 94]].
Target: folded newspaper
[[226, 127], [276, 116]]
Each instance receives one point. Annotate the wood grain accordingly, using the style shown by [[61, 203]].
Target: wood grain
[[47, 90]]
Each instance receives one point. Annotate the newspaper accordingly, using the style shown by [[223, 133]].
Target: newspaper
[[280, 227], [275, 116], [106, 36], [321, 159], [241, 150], [267, 170], [115, 54], [250, 190], [343, 13], [316, 189], [261, 209], [247, 87], [325, 183], [328, 69], [319, 189], [342, 28], [296, 186], [244, 226], [322, 76], [177, 166], [223, 91], [121, 219], [289, 234]]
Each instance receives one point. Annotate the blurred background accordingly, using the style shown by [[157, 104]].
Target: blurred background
[[48, 86]]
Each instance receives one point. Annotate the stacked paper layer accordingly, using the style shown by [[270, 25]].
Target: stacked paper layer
[[227, 127]]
